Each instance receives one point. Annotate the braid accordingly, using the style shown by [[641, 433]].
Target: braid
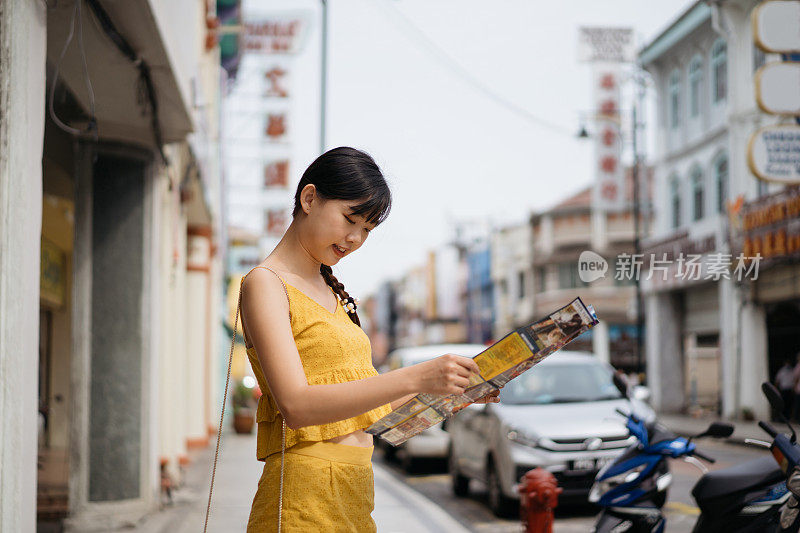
[[338, 288]]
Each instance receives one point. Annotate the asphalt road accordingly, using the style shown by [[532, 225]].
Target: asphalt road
[[432, 480]]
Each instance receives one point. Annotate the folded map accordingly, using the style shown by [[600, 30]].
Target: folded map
[[499, 363]]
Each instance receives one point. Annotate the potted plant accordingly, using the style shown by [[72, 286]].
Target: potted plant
[[245, 401]]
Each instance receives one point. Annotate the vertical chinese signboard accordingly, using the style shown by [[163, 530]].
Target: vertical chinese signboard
[[276, 40], [607, 49]]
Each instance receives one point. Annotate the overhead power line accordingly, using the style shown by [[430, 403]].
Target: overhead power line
[[421, 39]]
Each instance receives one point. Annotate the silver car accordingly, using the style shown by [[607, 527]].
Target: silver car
[[559, 415], [432, 443]]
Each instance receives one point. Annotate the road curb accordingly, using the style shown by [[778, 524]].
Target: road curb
[[420, 507]]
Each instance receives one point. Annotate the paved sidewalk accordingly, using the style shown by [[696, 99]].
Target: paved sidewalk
[[398, 508]]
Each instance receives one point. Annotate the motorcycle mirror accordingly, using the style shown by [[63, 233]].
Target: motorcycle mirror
[[620, 384], [773, 396], [719, 430], [776, 402]]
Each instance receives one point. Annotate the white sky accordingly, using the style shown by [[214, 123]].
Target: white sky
[[448, 150]]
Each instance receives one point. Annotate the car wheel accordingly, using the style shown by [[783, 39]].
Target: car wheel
[[460, 483], [500, 504]]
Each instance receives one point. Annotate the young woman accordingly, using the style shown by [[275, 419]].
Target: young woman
[[313, 361]]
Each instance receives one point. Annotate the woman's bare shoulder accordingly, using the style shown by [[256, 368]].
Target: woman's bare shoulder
[[261, 286]]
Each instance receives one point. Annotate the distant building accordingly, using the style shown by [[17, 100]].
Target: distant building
[[710, 343], [512, 277], [558, 237], [479, 294]]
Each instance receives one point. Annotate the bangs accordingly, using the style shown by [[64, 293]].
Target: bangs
[[375, 209]]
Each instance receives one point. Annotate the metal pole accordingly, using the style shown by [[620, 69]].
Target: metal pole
[[637, 245], [323, 76]]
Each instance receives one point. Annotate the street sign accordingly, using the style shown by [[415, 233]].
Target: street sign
[[613, 45], [776, 26], [778, 88], [773, 154]]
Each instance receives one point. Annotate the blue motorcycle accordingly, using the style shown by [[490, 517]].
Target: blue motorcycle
[[632, 490]]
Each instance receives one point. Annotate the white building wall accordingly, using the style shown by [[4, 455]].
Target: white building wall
[[22, 93], [196, 346], [447, 289], [721, 128]]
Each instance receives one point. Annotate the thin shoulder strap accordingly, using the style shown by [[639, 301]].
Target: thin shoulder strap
[[224, 401], [283, 420]]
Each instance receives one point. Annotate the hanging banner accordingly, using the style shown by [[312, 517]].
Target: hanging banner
[[773, 153], [778, 88], [776, 26]]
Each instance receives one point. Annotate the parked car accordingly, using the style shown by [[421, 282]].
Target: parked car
[[559, 415], [433, 442]]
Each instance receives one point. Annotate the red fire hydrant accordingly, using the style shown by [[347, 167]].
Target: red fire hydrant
[[539, 492]]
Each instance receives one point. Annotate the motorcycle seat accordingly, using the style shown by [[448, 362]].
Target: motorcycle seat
[[759, 472]]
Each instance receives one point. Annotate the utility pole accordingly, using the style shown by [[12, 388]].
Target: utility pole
[[637, 247], [323, 76]]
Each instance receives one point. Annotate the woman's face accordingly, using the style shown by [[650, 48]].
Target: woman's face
[[332, 232]]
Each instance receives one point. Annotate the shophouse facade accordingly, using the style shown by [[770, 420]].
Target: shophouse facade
[[707, 338]]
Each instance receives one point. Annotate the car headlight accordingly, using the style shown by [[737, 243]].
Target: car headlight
[[520, 437], [601, 487]]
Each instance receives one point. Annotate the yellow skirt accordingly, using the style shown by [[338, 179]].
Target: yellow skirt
[[327, 486]]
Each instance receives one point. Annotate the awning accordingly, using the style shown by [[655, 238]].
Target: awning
[[114, 78]]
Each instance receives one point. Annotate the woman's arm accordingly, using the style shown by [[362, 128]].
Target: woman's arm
[[265, 317]]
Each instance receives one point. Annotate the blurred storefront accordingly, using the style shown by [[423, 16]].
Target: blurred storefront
[[770, 227]]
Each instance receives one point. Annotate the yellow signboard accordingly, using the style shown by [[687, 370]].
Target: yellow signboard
[[52, 274]]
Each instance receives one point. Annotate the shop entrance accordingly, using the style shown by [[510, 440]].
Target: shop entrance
[[783, 333]]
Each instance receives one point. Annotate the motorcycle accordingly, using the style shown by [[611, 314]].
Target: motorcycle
[[632, 490], [786, 452]]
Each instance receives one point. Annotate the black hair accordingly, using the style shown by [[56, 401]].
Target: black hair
[[345, 173]]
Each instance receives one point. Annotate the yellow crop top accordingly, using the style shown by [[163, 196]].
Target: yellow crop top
[[333, 349]]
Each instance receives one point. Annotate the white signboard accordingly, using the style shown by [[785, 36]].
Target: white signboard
[[776, 26], [608, 193], [278, 34], [778, 88], [613, 45], [773, 153]]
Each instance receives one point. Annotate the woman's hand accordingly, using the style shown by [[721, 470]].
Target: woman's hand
[[492, 397], [447, 374]]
